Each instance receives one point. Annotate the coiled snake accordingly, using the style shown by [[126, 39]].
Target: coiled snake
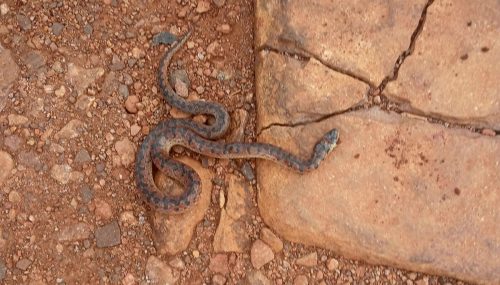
[[199, 138]]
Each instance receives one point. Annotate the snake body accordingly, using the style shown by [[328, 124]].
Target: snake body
[[199, 138]]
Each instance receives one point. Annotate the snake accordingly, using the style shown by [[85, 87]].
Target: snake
[[202, 138]]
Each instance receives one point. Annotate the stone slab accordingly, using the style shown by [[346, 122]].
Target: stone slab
[[396, 190], [360, 37], [454, 70], [298, 87]]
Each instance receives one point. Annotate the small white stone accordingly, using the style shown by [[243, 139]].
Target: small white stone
[[61, 91], [4, 9], [203, 7]]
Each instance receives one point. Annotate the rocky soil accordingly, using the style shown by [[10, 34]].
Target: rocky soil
[[78, 93]]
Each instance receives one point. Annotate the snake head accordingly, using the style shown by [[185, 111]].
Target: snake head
[[330, 139]]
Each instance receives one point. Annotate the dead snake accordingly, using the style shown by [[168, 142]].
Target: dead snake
[[199, 138]]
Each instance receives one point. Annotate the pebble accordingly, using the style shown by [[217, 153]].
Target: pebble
[[177, 263], [219, 279], [86, 194], [3, 270], [271, 239], [14, 197], [16, 120], [12, 142], [9, 70], [24, 22], [33, 60], [200, 89], [123, 91], [247, 171], [82, 156], [203, 7], [181, 88], [219, 264], [183, 12], [178, 114], [75, 232], [257, 278], [4, 9], [179, 74], [56, 148], [30, 160], [164, 38], [57, 67], [260, 254], [126, 151], [157, 272], [224, 28], [71, 130], [61, 173], [88, 29], [135, 129], [308, 260], [129, 279], [219, 3], [108, 235], [84, 102], [82, 78], [57, 28], [131, 104], [100, 168], [102, 210], [128, 218], [120, 173], [138, 53], [61, 91], [116, 63], [196, 253], [23, 264], [213, 47], [6, 166], [332, 264], [300, 280], [49, 89]]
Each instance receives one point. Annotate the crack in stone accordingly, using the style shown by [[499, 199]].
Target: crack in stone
[[358, 106], [397, 107], [294, 50], [405, 107], [301, 54], [406, 53]]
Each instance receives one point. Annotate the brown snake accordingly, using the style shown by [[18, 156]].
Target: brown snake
[[199, 138]]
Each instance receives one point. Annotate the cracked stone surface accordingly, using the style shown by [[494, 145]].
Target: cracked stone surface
[[326, 91], [451, 72], [398, 189], [362, 38]]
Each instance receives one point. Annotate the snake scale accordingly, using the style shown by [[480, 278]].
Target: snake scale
[[200, 138]]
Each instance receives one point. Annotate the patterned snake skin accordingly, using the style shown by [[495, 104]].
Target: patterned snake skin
[[199, 138]]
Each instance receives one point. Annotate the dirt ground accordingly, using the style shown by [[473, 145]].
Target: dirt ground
[[38, 240]]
